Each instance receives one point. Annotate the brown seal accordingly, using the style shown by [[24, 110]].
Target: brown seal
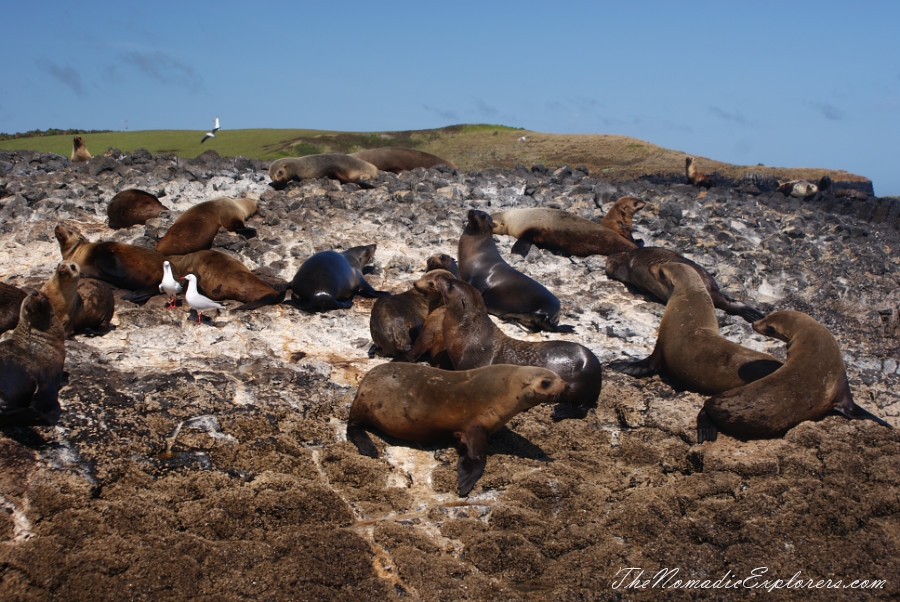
[[640, 268], [689, 349], [508, 293], [473, 340], [221, 276], [345, 168], [442, 261], [430, 338], [694, 176], [10, 304], [195, 229], [396, 159], [31, 365], [79, 150], [122, 265], [329, 280], [132, 207], [80, 304], [811, 383], [428, 405]]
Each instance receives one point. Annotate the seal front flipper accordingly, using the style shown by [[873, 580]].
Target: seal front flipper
[[706, 430], [361, 439], [639, 369], [472, 458], [522, 246]]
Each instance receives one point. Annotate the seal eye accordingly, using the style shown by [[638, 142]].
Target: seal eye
[[545, 383]]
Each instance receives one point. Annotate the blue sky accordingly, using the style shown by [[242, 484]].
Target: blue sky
[[792, 84]]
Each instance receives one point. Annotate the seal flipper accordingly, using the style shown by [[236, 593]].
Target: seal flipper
[[706, 430], [141, 296], [847, 407], [639, 369], [361, 439], [472, 458], [367, 290], [522, 246], [246, 232]]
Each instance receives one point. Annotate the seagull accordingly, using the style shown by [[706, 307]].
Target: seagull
[[198, 301], [169, 285], [211, 133]]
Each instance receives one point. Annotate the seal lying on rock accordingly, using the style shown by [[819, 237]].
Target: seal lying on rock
[[11, 298], [195, 229], [396, 159], [329, 280], [345, 168], [429, 405], [132, 207], [222, 276], [810, 384]]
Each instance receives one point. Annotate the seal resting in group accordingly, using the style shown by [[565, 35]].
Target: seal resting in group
[[396, 159], [811, 383], [120, 264], [640, 268], [568, 234], [430, 337], [338, 166], [10, 304], [31, 365], [195, 229], [689, 349], [329, 280], [132, 207], [428, 405], [508, 293], [222, 276], [81, 304], [79, 150], [473, 340]]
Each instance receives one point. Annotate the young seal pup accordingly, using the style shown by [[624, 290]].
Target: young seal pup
[[80, 304], [689, 348], [329, 280], [810, 384], [508, 293], [195, 229], [430, 338], [429, 405]]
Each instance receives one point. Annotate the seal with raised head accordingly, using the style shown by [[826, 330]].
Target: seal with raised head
[[689, 349], [10, 304], [568, 234], [694, 176], [120, 264], [337, 166], [79, 150], [132, 207], [81, 304], [811, 384], [508, 293], [31, 365], [195, 229], [222, 276], [396, 159], [473, 340], [419, 403], [329, 280], [640, 268]]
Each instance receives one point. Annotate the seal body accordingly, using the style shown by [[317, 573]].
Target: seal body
[[79, 150], [329, 280], [560, 232], [222, 276], [31, 365], [799, 189], [397, 159], [473, 340], [430, 338], [811, 383], [345, 168], [620, 217], [10, 304], [196, 228], [689, 349], [427, 405], [132, 207], [508, 293], [80, 304], [694, 176], [640, 268]]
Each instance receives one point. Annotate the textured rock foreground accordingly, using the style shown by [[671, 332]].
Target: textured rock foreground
[[210, 463]]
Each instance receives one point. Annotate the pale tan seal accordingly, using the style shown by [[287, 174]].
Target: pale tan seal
[[810, 384], [396, 159], [132, 207], [32, 356], [694, 176], [221, 276], [799, 189], [79, 150], [689, 349], [428, 405], [81, 304], [195, 229], [338, 166]]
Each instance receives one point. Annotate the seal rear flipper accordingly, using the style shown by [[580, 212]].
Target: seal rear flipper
[[141, 296], [737, 308], [848, 408], [638, 369], [361, 439], [366, 290], [246, 232], [522, 246], [706, 430], [472, 458]]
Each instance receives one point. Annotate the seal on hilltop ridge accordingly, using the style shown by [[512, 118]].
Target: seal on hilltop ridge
[[329, 280], [473, 340], [79, 150], [338, 166], [222, 276], [568, 234], [429, 405], [508, 293], [695, 177], [80, 304], [31, 365], [195, 229], [640, 268], [396, 159], [132, 207], [689, 349], [811, 383]]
